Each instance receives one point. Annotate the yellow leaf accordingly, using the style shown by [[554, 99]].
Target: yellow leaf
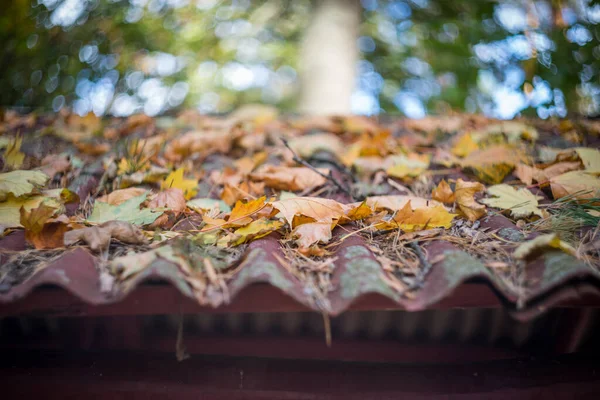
[[41, 229], [464, 192], [189, 187], [541, 244], [578, 184], [410, 220], [521, 203], [13, 156], [464, 146], [10, 215], [240, 215], [494, 163], [590, 159], [254, 230], [361, 211], [409, 166], [19, 183]]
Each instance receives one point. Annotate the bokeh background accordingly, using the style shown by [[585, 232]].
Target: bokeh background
[[417, 57]]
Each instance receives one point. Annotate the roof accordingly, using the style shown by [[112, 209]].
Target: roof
[[408, 257]]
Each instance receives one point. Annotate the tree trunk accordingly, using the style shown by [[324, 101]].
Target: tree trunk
[[328, 58]]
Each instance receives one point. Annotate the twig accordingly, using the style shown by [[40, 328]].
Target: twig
[[425, 267], [307, 165], [339, 166]]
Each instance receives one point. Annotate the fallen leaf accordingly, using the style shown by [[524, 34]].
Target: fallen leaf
[[313, 232], [289, 178], [41, 229], [10, 214], [464, 146], [443, 193], [590, 159], [120, 196], [201, 205], [514, 131], [313, 209], [533, 248], [307, 145], [173, 201], [494, 163], [521, 203], [54, 164], [99, 237], [397, 202], [409, 219], [177, 181], [528, 174], [13, 156], [128, 211], [254, 230], [578, 184], [411, 165], [240, 215], [19, 183], [464, 192], [198, 142]]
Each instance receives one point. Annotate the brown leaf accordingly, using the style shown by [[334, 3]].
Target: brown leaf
[[289, 178], [311, 233], [464, 193], [41, 229], [98, 237], [198, 142], [443, 193], [299, 210], [120, 196], [54, 164], [578, 184], [172, 199]]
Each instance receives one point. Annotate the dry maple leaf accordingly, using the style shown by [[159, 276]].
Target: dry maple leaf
[[99, 237], [529, 174], [240, 215], [254, 230], [290, 178], [410, 220], [41, 229], [313, 209], [464, 193], [19, 183], [521, 203], [443, 193], [578, 184], [173, 201], [313, 232]]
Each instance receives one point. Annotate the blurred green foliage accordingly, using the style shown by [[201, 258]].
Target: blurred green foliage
[[418, 56]]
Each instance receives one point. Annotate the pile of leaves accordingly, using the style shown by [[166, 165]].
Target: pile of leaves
[[201, 188]]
